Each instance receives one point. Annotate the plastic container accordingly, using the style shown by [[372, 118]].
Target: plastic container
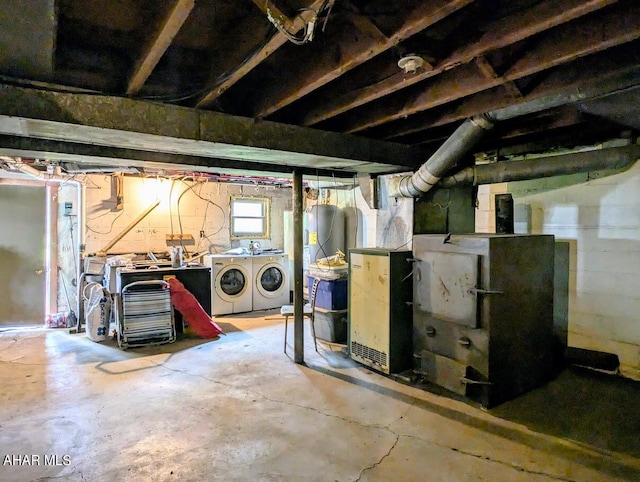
[[331, 325], [58, 320], [329, 272], [97, 320], [330, 294]]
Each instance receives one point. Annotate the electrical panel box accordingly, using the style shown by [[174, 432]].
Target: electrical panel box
[[379, 309], [69, 208]]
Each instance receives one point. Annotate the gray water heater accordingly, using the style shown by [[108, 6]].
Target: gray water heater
[[325, 225]]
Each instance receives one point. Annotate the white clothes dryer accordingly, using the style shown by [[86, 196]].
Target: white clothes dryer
[[231, 283], [271, 281]]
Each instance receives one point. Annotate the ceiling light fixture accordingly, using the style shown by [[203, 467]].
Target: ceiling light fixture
[[410, 63]]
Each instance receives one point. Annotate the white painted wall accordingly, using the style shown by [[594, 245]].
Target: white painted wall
[[67, 231], [207, 211], [394, 219], [601, 220], [203, 208], [390, 226]]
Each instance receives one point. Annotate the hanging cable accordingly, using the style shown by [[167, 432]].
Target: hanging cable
[[309, 26], [209, 202]]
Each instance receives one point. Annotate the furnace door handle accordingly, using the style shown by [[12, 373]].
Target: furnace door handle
[[469, 381], [480, 291]]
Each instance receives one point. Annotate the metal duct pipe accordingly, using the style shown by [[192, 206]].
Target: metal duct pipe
[[470, 132], [507, 171], [82, 216], [454, 148]]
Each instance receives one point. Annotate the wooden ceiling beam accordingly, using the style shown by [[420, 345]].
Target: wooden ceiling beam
[[370, 42], [277, 41], [159, 44], [270, 9], [562, 117], [602, 70], [500, 34], [121, 122], [357, 41], [558, 47], [489, 72]]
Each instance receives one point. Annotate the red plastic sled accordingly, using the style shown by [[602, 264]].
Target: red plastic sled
[[187, 304]]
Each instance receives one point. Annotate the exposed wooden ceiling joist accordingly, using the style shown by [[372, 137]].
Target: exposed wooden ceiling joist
[[607, 71], [304, 78], [500, 34], [489, 72], [277, 41], [565, 116], [201, 65], [159, 44], [554, 48]]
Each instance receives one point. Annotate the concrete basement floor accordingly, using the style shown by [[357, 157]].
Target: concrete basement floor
[[237, 408]]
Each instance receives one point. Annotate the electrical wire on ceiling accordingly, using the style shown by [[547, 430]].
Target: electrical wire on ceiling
[[309, 26], [211, 85]]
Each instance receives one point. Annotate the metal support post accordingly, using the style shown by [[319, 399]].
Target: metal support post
[[298, 315]]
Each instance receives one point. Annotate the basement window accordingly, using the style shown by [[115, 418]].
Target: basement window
[[249, 217]]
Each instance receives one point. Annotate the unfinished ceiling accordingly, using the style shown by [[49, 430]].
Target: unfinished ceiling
[[228, 57]]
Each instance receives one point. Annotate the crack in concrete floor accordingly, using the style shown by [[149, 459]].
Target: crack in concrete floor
[[377, 426], [366, 470], [491, 459], [513, 466], [375, 464], [44, 479]]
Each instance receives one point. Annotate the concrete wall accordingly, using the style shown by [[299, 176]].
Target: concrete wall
[[182, 209], [394, 219], [67, 247], [600, 220], [22, 226], [203, 208], [389, 226]]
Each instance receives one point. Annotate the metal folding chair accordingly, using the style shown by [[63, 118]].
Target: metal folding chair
[[145, 315]]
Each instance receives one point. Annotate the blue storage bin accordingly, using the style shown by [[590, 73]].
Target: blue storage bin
[[330, 294]]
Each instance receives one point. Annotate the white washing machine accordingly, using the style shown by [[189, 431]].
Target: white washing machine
[[231, 283], [270, 281]]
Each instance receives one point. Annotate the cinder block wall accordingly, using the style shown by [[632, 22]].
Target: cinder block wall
[[205, 208], [600, 218], [182, 209]]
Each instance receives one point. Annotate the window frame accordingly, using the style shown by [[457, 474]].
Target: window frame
[[266, 205]]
